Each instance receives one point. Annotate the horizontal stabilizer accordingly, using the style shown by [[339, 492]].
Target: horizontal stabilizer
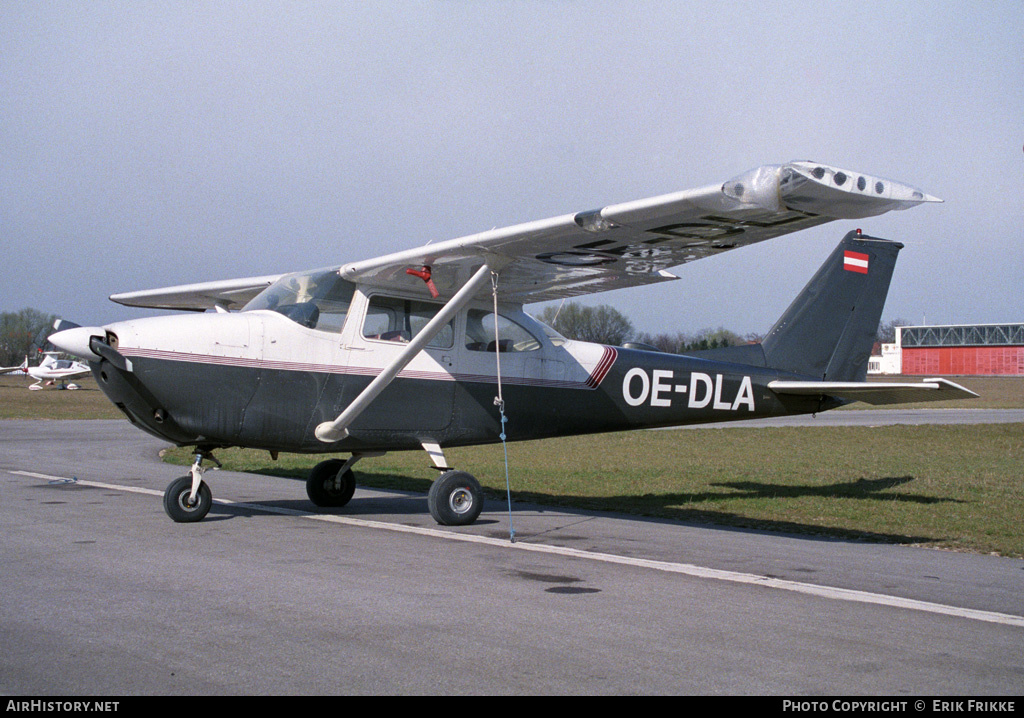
[[872, 392]]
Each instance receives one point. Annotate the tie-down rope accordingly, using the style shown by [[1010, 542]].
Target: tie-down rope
[[499, 401]]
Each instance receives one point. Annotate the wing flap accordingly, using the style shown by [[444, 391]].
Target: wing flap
[[871, 392]]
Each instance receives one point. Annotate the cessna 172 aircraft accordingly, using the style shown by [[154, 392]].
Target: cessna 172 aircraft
[[424, 348], [50, 370]]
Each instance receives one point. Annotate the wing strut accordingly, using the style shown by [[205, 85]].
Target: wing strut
[[331, 431]]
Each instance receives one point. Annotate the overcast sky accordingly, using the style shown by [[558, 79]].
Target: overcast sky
[[146, 144]]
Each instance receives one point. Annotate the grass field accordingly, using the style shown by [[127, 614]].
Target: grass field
[[17, 402], [955, 487]]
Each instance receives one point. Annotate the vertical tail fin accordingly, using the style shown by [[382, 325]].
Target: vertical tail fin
[[829, 329]]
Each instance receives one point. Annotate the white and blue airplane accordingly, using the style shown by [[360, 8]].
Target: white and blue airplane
[[422, 349]]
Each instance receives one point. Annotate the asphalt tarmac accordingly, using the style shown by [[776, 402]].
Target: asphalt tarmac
[[102, 594]]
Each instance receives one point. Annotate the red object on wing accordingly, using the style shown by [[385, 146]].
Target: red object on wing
[[424, 274]]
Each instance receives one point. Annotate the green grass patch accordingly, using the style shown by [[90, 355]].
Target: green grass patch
[[955, 487], [88, 402]]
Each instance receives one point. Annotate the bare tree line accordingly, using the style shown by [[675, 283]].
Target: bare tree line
[[604, 324], [22, 333]]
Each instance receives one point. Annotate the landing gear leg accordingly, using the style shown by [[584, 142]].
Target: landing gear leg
[[188, 498], [455, 498]]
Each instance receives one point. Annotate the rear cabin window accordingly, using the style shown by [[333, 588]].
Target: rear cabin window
[[393, 319], [511, 336]]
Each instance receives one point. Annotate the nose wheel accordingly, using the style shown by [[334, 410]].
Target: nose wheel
[[188, 499], [181, 506]]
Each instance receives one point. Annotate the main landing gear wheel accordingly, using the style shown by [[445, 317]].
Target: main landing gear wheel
[[328, 486], [177, 503], [455, 499]]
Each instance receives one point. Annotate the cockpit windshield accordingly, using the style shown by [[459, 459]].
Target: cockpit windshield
[[318, 300]]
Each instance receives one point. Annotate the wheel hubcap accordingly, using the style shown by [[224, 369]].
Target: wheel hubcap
[[460, 501]]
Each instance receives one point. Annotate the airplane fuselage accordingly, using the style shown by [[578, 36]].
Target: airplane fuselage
[[259, 379]]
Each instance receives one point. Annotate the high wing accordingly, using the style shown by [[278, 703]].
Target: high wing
[[634, 243], [226, 294], [876, 392], [621, 245]]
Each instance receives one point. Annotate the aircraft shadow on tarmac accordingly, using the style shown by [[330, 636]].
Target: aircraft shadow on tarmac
[[867, 489], [683, 506], [670, 506]]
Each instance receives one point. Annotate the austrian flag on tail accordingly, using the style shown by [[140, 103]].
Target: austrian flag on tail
[[855, 262]]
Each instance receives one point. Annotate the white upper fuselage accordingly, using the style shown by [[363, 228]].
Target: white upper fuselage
[[267, 339]]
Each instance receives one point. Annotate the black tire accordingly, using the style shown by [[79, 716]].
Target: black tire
[[326, 488], [455, 499], [177, 505]]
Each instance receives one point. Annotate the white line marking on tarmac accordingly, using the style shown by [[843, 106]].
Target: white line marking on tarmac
[[841, 594]]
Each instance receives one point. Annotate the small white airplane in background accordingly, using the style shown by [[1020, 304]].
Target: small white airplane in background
[[50, 370]]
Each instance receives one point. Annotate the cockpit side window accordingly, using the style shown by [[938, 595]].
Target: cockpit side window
[[318, 300], [398, 320], [512, 337]]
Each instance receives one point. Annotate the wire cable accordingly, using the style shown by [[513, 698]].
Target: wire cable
[[499, 401]]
